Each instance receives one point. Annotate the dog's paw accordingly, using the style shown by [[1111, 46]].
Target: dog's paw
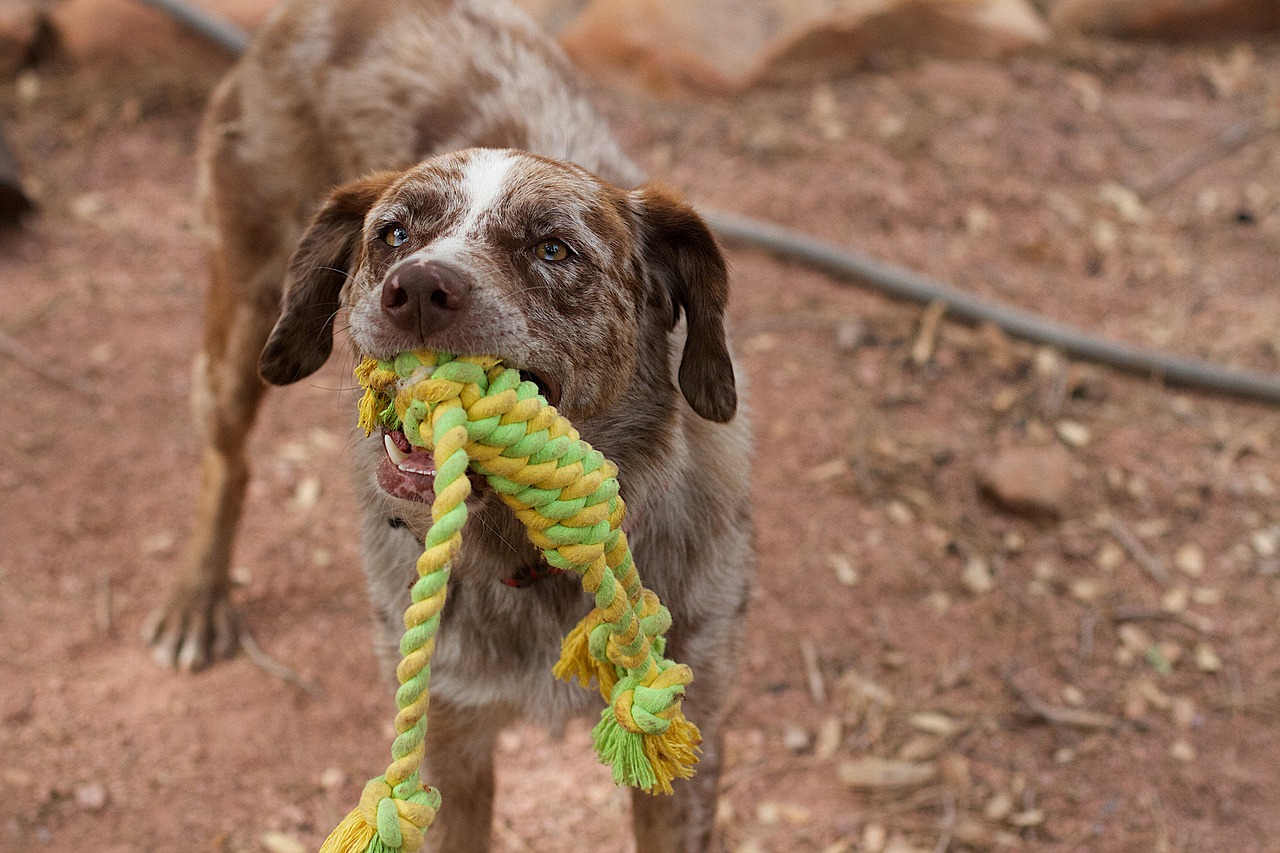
[[192, 629]]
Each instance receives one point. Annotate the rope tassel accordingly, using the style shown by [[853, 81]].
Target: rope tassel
[[474, 414]]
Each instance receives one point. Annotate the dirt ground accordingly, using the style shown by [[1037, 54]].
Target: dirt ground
[[1103, 680]]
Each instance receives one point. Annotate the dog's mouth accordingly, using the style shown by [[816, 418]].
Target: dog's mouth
[[409, 473], [406, 472]]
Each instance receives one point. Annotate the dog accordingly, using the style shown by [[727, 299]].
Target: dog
[[434, 168]]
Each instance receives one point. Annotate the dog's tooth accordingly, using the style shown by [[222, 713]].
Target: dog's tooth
[[397, 455]]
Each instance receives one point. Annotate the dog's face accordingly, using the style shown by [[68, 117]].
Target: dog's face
[[498, 252]]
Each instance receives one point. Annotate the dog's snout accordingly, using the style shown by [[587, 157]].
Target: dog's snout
[[424, 296]]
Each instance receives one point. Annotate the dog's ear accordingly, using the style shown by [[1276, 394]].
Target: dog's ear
[[303, 336], [680, 251]]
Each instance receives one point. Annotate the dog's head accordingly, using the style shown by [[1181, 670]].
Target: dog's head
[[499, 252]]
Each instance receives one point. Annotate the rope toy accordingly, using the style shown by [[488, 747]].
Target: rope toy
[[473, 413]]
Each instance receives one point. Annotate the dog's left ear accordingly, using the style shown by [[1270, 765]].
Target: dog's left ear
[[679, 249], [303, 335]]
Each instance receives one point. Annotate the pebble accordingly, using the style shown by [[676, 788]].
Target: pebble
[[279, 842], [829, 737], [1182, 751], [1073, 433], [1109, 557], [931, 722], [1207, 659], [1189, 559], [1206, 596], [977, 577], [999, 807], [796, 739], [1266, 543], [899, 513], [333, 778], [1086, 590], [91, 796], [874, 836], [1033, 481], [1175, 600], [850, 335], [1134, 638], [845, 572]]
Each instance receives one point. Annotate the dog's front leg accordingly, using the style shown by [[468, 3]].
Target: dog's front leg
[[460, 743], [683, 822]]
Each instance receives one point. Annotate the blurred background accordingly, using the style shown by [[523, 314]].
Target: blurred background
[[1007, 600]]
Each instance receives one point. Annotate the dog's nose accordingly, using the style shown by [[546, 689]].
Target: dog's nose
[[424, 296]]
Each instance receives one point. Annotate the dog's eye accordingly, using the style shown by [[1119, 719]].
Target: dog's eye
[[552, 250], [394, 235]]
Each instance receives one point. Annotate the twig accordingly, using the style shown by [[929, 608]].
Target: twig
[[927, 336], [273, 667], [1088, 622], [1231, 140], [26, 359], [1134, 613], [1144, 558], [813, 671], [102, 609], [1070, 717], [948, 823]]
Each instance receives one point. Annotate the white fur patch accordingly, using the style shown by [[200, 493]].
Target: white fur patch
[[483, 181]]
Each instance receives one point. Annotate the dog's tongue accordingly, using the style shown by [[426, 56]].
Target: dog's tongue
[[407, 472]]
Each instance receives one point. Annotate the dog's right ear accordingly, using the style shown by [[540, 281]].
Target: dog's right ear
[[303, 336]]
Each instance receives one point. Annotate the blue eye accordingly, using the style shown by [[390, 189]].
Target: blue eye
[[394, 235], [552, 251]]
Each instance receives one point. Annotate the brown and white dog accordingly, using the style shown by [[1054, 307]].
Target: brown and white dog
[[524, 232]]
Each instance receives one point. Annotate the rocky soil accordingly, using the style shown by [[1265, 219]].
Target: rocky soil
[[1006, 601]]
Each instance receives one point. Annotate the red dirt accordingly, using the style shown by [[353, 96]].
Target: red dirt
[[986, 175]]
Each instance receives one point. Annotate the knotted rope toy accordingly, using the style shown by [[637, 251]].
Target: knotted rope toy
[[474, 413]]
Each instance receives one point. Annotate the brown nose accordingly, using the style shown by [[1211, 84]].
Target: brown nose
[[424, 296]]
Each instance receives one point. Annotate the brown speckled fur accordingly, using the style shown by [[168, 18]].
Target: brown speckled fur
[[308, 152]]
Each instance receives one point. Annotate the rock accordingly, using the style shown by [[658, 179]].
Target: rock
[[1034, 481], [1166, 19], [724, 45]]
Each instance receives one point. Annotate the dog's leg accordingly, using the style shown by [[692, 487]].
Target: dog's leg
[[459, 746], [685, 821], [196, 625]]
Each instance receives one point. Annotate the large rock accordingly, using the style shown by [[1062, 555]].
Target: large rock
[[1166, 19], [730, 45]]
